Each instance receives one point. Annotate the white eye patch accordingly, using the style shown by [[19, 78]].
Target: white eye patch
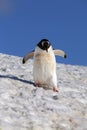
[[43, 43]]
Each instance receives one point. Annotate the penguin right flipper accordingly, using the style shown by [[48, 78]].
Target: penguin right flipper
[[60, 53], [28, 56]]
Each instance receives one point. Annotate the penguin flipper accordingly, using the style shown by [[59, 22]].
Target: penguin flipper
[[60, 53], [28, 56]]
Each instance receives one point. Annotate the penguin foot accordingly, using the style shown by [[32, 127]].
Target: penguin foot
[[37, 84], [55, 89]]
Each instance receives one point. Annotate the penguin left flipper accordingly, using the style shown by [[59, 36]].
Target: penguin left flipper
[[60, 53], [28, 56]]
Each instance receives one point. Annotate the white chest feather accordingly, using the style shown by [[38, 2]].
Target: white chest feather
[[45, 67]]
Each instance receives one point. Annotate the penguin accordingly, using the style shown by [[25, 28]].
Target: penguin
[[44, 66]]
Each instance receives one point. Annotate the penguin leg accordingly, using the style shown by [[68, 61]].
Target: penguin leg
[[38, 84], [55, 89], [41, 85]]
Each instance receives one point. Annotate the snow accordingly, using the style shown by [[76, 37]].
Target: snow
[[26, 107]]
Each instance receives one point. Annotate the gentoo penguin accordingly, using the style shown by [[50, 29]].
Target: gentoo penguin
[[44, 68]]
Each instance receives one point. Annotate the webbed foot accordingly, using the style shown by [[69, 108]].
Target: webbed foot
[[55, 89]]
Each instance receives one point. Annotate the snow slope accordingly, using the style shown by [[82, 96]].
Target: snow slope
[[25, 107]]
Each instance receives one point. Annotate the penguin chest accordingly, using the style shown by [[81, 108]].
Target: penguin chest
[[44, 67]]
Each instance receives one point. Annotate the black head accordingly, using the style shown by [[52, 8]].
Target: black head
[[44, 44]]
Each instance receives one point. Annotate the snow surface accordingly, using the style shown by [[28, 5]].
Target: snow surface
[[26, 107]]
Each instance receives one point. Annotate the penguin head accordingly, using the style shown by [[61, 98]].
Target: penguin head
[[44, 44]]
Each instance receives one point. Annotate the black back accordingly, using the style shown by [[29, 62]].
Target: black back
[[44, 44]]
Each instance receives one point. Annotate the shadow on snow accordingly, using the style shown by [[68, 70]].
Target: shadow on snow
[[17, 79]]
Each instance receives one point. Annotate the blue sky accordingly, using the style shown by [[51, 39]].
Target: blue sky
[[23, 23]]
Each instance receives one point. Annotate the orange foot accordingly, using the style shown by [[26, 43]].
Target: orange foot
[[55, 89], [37, 84]]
